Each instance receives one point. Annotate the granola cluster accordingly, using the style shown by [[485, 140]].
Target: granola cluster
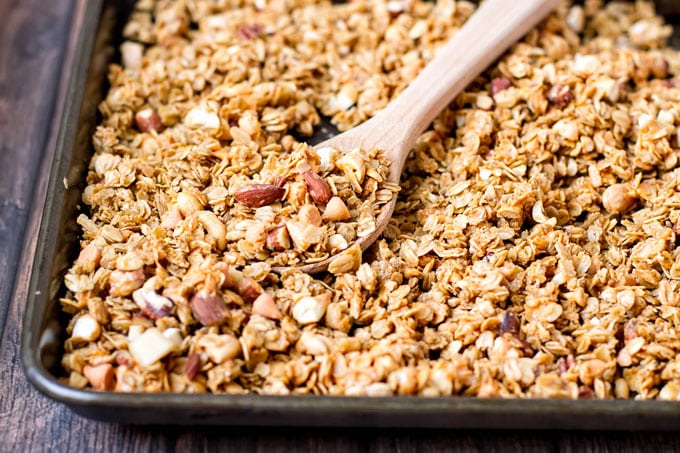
[[532, 252]]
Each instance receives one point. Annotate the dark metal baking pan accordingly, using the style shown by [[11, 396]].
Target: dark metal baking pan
[[57, 245]]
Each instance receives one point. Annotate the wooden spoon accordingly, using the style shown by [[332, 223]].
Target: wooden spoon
[[492, 29]]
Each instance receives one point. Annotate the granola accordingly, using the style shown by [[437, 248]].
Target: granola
[[532, 252]]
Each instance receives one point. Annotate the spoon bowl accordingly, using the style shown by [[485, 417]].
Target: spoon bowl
[[492, 29]]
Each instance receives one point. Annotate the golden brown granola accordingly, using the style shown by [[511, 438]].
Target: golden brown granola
[[532, 251]]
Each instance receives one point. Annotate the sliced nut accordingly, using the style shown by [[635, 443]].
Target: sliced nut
[[311, 343], [100, 377], [337, 243], [256, 233], [130, 261], [123, 283], [327, 157], [249, 289], [258, 195], [174, 334], [618, 198], [188, 203], [89, 258], [347, 261], [560, 96], [484, 102], [147, 120], [135, 331], [576, 18], [192, 366], [310, 215], [499, 84], [86, 329], [317, 187], [214, 227], [171, 218], [209, 309], [131, 55], [310, 309], [152, 304], [247, 32], [336, 210], [303, 235], [265, 306], [353, 166], [150, 347], [219, 348], [278, 239], [202, 117], [232, 276], [337, 318], [509, 323]]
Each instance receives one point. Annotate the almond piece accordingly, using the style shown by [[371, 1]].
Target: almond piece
[[99, 376], [123, 283], [265, 306], [188, 203], [297, 194], [560, 96], [86, 329], [499, 84], [318, 188], [336, 210], [278, 239], [232, 276], [131, 54], [256, 233], [152, 304], [327, 157], [209, 309], [484, 102], [258, 195], [147, 120], [214, 227], [347, 261], [618, 198], [337, 243], [310, 215], [247, 32], [311, 309], [204, 117], [171, 219], [303, 235], [192, 366], [509, 323], [150, 347], [89, 258], [249, 289], [219, 348]]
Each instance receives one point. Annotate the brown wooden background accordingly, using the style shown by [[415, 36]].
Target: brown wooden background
[[35, 41]]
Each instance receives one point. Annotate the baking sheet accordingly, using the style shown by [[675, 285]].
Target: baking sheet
[[57, 246]]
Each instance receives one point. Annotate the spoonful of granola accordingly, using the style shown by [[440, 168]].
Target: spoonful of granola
[[340, 195]]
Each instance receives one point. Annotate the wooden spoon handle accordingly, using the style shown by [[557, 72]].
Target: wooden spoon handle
[[492, 29]]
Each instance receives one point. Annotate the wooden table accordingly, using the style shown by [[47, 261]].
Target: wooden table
[[35, 42]]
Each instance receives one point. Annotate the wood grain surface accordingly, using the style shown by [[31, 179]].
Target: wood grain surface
[[35, 45]]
